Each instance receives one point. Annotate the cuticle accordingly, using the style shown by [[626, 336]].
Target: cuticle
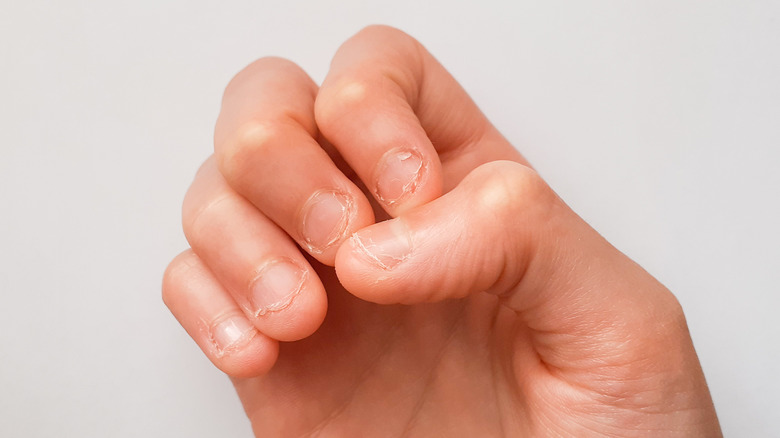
[[348, 212], [408, 188], [284, 303], [210, 329], [363, 249]]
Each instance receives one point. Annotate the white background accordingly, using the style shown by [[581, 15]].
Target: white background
[[658, 121]]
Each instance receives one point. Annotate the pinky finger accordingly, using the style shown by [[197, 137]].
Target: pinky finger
[[213, 319]]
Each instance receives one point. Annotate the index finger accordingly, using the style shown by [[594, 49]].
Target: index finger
[[401, 121]]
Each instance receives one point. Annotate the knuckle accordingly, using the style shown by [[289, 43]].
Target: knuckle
[[511, 188], [201, 221], [380, 67], [342, 98], [249, 73], [237, 154], [385, 33], [207, 191]]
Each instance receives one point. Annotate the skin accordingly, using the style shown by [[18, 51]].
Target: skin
[[469, 302]]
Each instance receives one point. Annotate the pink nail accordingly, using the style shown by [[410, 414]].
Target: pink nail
[[398, 175], [229, 334], [326, 218]]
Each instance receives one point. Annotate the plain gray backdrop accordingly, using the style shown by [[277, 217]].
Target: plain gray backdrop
[[657, 121]]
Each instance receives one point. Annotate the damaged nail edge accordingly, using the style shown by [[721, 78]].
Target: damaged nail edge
[[410, 187], [222, 351], [361, 247], [348, 211], [287, 300]]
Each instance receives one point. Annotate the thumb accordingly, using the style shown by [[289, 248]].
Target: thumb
[[590, 324], [503, 231]]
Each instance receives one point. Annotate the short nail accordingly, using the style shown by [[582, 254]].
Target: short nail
[[231, 333], [276, 285], [399, 174], [385, 245], [325, 219]]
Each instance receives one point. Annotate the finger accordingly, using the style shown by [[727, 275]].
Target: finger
[[583, 300], [214, 320], [252, 258], [266, 149], [401, 121]]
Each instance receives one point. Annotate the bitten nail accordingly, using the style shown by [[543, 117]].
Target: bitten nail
[[326, 218], [276, 286], [231, 333], [399, 174], [385, 245]]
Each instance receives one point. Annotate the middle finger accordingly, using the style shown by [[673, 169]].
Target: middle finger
[[266, 149]]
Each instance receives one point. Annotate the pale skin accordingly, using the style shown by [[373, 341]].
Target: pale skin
[[467, 299]]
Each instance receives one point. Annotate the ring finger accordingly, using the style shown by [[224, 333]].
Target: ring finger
[[255, 261]]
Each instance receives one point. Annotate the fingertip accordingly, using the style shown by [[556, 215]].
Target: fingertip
[[295, 316], [354, 273], [366, 110], [236, 347], [407, 177], [465, 241], [371, 263], [214, 321], [257, 264], [255, 358], [329, 217]]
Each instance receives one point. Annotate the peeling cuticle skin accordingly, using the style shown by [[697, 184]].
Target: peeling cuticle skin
[[384, 262], [228, 335], [326, 219], [399, 175], [283, 304], [387, 250], [275, 286]]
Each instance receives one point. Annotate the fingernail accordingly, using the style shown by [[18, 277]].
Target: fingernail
[[399, 174], [386, 245], [326, 216], [230, 333], [276, 285]]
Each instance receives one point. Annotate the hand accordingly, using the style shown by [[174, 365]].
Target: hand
[[476, 304]]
